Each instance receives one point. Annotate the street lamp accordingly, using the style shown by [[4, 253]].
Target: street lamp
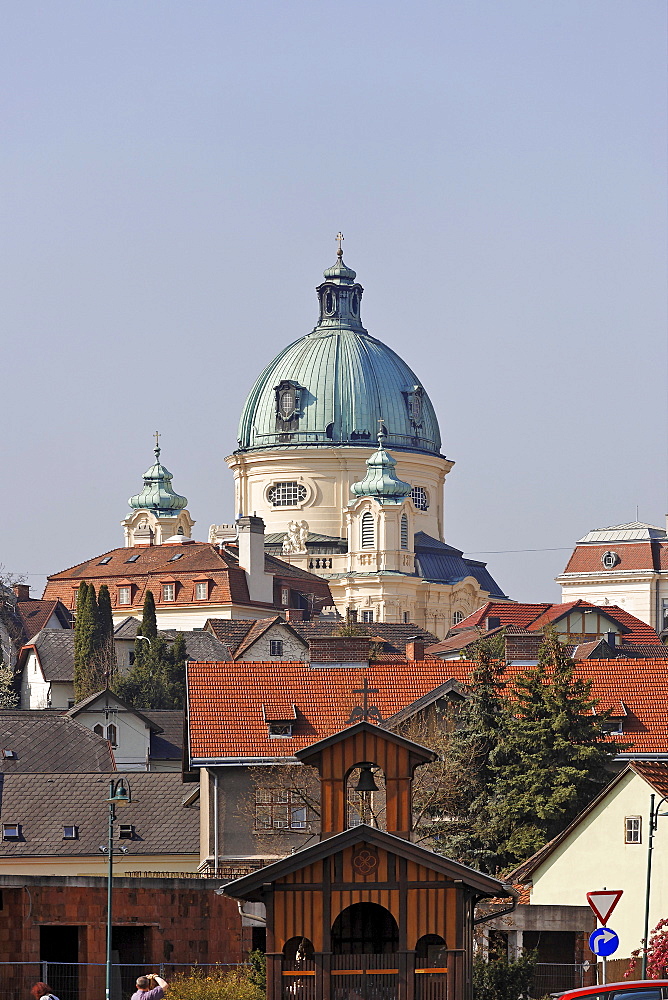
[[653, 822], [119, 795]]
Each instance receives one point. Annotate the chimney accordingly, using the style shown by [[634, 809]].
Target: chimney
[[415, 649], [251, 559], [293, 614], [611, 639], [21, 591]]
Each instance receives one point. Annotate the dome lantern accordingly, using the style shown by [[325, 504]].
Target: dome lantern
[[381, 482], [157, 494]]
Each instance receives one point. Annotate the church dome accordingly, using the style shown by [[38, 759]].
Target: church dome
[[338, 385]]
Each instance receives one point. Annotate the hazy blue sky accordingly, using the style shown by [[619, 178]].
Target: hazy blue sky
[[174, 174]]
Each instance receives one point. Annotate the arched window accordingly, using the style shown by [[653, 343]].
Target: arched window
[[457, 617], [98, 730], [404, 531], [112, 734], [368, 531]]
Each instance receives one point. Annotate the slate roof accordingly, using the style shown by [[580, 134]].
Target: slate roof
[[197, 561], [55, 649], [36, 801], [225, 703], [441, 563], [44, 740], [167, 745], [394, 634]]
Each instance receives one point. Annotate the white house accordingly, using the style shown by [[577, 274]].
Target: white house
[[605, 847]]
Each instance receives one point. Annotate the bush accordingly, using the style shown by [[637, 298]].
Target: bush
[[217, 984], [502, 980]]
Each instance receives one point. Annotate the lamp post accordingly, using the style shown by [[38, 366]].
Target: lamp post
[[119, 795], [653, 821]]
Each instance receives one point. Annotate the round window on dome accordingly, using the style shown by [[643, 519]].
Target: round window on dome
[[420, 497], [288, 494]]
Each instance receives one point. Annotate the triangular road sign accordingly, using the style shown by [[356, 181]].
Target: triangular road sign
[[603, 902]]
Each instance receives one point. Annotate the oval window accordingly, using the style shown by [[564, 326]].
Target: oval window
[[329, 302]]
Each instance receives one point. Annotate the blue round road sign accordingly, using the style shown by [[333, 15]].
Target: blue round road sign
[[603, 942]]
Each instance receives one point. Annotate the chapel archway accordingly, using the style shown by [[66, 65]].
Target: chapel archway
[[365, 929]]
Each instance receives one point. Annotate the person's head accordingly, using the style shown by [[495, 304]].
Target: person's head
[[40, 990], [143, 983]]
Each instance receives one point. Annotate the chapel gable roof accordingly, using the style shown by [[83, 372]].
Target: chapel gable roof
[[250, 886], [311, 754]]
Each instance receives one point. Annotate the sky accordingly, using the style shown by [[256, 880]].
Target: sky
[[174, 176]]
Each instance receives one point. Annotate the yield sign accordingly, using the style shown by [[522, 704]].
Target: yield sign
[[603, 902]]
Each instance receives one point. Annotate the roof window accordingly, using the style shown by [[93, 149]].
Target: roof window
[[103, 562], [133, 558], [9, 754], [177, 555], [11, 831], [70, 833], [280, 729], [126, 831]]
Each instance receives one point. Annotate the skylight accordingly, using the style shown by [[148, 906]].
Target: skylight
[[70, 833], [103, 562], [133, 558], [8, 754], [177, 555]]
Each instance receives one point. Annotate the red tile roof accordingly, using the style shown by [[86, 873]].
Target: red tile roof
[[226, 718], [651, 556], [534, 617], [155, 564], [35, 615]]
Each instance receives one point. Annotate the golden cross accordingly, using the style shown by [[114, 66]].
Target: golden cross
[[157, 436], [339, 240]]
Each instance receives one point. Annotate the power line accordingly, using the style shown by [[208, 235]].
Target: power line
[[502, 552]]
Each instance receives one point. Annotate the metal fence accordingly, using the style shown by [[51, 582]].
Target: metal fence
[[552, 978], [86, 980]]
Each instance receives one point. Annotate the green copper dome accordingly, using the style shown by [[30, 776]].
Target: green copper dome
[[337, 385], [381, 481], [157, 494]]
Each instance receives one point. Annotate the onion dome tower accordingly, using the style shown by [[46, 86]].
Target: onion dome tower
[[381, 481], [158, 513]]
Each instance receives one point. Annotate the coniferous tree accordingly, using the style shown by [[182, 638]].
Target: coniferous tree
[[85, 635], [157, 679], [551, 758], [104, 641]]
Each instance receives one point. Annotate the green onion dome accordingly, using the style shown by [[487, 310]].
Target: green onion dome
[[157, 494]]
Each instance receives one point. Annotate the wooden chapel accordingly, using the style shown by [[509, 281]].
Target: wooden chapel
[[365, 914]]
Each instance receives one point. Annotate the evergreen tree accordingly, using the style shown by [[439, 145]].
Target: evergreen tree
[[104, 640], [86, 679], [157, 679], [551, 758], [463, 833]]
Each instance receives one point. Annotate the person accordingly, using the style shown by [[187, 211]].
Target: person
[[42, 991], [150, 987]]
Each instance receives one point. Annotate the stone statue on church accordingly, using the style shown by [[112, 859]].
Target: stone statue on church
[[295, 538]]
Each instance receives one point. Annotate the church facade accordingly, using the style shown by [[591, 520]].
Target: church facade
[[340, 455]]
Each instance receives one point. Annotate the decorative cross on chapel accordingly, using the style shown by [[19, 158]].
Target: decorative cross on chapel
[[365, 712], [339, 239], [157, 444]]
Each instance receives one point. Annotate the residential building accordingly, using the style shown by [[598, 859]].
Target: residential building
[[22, 617], [46, 664], [34, 742], [605, 847], [335, 504], [624, 565], [589, 631], [232, 739]]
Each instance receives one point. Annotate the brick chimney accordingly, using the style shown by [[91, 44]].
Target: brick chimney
[[334, 650], [293, 614], [21, 591], [415, 649]]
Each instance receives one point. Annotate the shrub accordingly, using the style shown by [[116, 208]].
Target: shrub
[[216, 984], [499, 979]]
